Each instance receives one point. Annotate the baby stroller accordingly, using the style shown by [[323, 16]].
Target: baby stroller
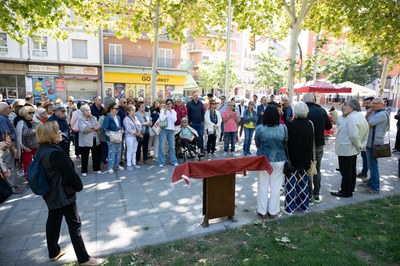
[[182, 152]]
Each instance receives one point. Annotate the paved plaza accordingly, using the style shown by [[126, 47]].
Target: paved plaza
[[131, 209]]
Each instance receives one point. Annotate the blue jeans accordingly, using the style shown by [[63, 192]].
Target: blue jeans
[[165, 135], [248, 135], [373, 182], [114, 154], [199, 127], [364, 162], [232, 136], [104, 152]]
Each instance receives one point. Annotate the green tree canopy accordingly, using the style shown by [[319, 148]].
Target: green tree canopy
[[212, 74], [350, 63], [269, 70]]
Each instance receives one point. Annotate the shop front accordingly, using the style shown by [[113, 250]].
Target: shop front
[[132, 83], [81, 82], [41, 80], [12, 80]]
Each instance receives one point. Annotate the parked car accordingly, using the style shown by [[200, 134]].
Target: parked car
[[10, 101], [86, 101]]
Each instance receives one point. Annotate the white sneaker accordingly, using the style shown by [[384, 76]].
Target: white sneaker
[[225, 154], [121, 168], [97, 172], [129, 168], [176, 164], [161, 165], [84, 174], [111, 171], [137, 166]]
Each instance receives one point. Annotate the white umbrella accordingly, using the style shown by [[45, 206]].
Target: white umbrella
[[357, 89]]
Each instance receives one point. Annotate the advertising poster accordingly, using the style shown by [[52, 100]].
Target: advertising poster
[[108, 87], [44, 85], [160, 91], [130, 91], [119, 90], [60, 87], [140, 90], [169, 91]]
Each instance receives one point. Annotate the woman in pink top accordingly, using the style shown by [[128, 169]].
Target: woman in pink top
[[230, 118]]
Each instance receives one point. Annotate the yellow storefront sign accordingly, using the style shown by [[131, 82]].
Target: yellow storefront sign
[[143, 79]]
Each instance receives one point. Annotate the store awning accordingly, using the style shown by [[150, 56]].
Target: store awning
[[81, 77], [190, 83], [315, 86]]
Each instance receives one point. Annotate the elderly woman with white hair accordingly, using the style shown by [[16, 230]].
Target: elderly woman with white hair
[[89, 140], [351, 137], [299, 149], [26, 136], [40, 116]]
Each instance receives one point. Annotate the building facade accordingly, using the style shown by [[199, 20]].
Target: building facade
[[128, 67], [47, 66]]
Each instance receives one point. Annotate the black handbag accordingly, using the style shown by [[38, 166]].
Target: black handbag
[[380, 150], [287, 167]]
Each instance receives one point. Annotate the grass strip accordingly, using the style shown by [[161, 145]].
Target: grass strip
[[366, 233]]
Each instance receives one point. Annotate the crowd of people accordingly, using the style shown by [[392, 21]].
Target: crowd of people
[[128, 133]]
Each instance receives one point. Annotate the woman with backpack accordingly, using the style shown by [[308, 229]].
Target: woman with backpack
[[61, 200]]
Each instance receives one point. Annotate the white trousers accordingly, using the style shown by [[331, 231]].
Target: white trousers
[[154, 139], [131, 147], [272, 183]]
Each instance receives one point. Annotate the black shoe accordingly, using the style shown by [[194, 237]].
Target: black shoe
[[337, 169], [340, 194]]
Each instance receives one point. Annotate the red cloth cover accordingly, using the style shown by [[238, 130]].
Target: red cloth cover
[[220, 167]]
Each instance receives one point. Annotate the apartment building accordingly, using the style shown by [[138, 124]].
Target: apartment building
[[128, 67], [47, 66]]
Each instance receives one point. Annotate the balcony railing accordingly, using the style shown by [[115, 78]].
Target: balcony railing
[[141, 61]]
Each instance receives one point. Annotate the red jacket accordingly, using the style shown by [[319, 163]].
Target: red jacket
[[181, 112]]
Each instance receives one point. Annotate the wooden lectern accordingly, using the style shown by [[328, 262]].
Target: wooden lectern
[[219, 180]]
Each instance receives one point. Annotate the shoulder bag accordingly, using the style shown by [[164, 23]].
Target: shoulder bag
[[313, 167], [381, 150], [115, 136]]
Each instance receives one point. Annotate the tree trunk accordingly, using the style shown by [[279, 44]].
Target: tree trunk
[[155, 52], [385, 68], [292, 58]]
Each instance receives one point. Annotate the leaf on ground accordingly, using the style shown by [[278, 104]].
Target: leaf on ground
[[247, 234], [204, 261], [246, 210], [339, 216], [283, 239]]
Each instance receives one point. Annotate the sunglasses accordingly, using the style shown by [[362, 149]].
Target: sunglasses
[[31, 113], [115, 108], [123, 102], [214, 103]]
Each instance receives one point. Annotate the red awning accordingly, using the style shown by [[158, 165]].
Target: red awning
[[315, 86]]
